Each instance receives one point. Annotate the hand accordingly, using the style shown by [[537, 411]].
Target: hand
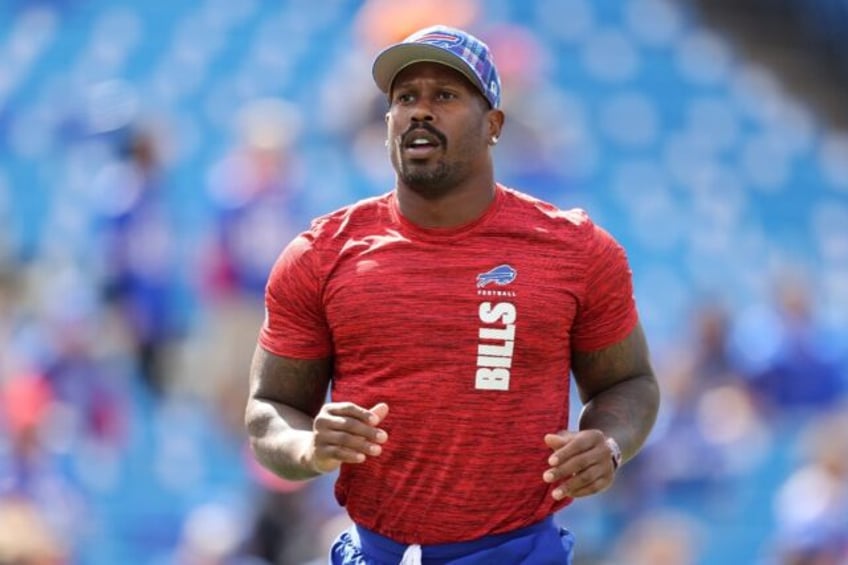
[[346, 433], [581, 462]]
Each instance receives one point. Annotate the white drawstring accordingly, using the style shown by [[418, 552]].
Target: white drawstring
[[412, 555]]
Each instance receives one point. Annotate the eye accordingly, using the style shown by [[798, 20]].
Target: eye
[[446, 95], [403, 97]]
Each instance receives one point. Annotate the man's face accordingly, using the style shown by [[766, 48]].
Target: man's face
[[439, 127]]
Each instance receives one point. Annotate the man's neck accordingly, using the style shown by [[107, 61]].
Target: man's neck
[[456, 208]]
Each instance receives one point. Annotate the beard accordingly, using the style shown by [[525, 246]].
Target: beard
[[431, 179], [428, 181]]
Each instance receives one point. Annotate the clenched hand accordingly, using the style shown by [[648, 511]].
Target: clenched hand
[[346, 433], [581, 463]]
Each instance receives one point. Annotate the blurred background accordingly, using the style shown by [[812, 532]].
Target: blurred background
[[155, 157]]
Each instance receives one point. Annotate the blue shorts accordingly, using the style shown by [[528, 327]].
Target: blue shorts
[[542, 543]]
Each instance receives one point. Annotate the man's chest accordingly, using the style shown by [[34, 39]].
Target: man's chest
[[491, 305]]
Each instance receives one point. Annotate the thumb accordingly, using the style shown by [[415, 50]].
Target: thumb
[[379, 410]]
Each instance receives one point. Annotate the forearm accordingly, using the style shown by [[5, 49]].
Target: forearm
[[281, 438], [625, 411]]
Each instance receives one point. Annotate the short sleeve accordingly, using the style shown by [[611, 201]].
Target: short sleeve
[[607, 310], [295, 325]]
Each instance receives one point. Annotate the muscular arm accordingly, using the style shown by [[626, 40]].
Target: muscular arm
[[619, 391], [293, 432], [285, 396], [620, 400]]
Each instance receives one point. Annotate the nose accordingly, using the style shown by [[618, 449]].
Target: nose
[[422, 112]]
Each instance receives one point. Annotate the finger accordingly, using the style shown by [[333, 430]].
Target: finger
[[570, 467], [350, 410], [344, 423], [338, 453], [348, 441], [558, 440], [327, 422], [567, 464], [585, 488], [576, 445], [343, 411], [380, 410]]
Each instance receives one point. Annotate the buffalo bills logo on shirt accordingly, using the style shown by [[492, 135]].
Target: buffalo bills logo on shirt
[[501, 275]]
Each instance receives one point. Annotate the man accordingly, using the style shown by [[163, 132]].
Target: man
[[447, 315]]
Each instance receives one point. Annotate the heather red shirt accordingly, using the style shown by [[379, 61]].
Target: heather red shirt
[[467, 334]]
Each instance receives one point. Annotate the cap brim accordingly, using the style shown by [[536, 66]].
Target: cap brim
[[394, 59]]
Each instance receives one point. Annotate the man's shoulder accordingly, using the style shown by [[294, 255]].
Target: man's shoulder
[[360, 214], [525, 206]]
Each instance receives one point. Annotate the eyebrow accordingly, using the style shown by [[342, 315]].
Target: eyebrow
[[441, 83]]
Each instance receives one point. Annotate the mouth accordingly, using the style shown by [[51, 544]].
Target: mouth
[[420, 144]]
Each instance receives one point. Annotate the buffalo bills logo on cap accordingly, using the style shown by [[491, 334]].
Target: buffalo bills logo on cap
[[440, 38]]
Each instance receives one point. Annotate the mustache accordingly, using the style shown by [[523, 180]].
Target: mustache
[[429, 128]]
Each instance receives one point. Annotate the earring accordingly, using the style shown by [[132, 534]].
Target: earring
[[493, 140], [387, 143]]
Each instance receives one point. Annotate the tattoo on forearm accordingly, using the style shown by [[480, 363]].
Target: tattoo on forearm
[[619, 390], [299, 383]]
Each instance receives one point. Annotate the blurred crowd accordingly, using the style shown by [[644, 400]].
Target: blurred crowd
[[127, 327]]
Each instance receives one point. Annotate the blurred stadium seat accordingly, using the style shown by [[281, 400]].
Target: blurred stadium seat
[[696, 158]]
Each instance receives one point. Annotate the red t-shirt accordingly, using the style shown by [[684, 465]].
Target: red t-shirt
[[467, 335]]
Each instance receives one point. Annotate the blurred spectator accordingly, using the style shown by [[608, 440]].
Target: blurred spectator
[[708, 430], [790, 361], [664, 538], [11, 313], [139, 269], [253, 191], [535, 150], [36, 489], [63, 374], [84, 357], [25, 537], [286, 525], [709, 356], [383, 22], [811, 506], [210, 536]]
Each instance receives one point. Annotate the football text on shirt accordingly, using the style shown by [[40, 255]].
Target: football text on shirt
[[495, 346]]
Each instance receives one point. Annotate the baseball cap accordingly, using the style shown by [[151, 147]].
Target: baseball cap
[[445, 45]]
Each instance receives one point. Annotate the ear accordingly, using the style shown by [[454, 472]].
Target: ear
[[494, 124]]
